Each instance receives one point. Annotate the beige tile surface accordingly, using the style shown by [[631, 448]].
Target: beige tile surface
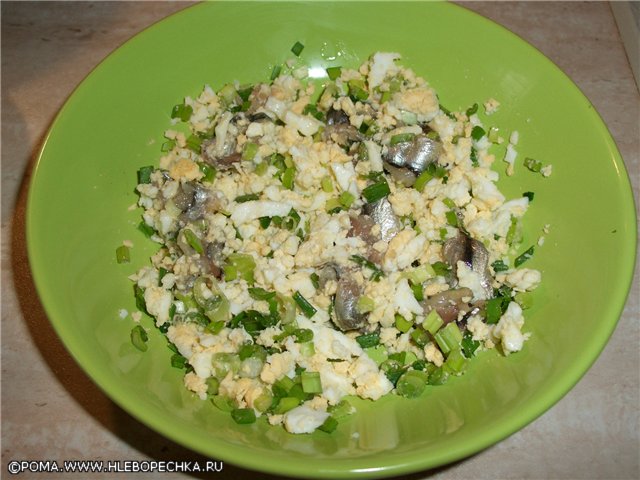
[[51, 410]]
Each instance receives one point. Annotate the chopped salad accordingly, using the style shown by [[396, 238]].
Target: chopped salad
[[323, 243]]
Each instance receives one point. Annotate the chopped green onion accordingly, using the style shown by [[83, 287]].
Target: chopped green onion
[[239, 265], [333, 205], [452, 218], [215, 327], [411, 384], [376, 191], [512, 233], [468, 344], [341, 410], [315, 280], [208, 171], [378, 353], [402, 324], [276, 71], [334, 72], [168, 146], [307, 309], [456, 361], [401, 138], [262, 168], [285, 404], [448, 338], [303, 335], [144, 174], [147, 230], [438, 377], [420, 336], [247, 198], [311, 382], [529, 195], [477, 132], [223, 363], [223, 403], [357, 90], [329, 425], [123, 254], [393, 370], [472, 109], [139, 338], [228, 95], [433, 322], [245, 92], [493, 310], [499, 266], [419, 275], [346, 199], [365, 304], [193, 240], [441, 269], [473, 156], [493, 135], [288, 177], [182, 111], [249, 151], [194, 143], [263, 402], [282, 386], [178, 361], [243, 416], [528, 253], [449, 203], [213, 385], [258, 293], [368, 340], [422, 180], [533, 164], [297, 48], [326, 184], [418, 292]]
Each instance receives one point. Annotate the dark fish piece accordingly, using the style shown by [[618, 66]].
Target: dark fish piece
[[473, 253], [345, 310], [381, 212], [346, 316], [339, 129], [257, 99], [403, 176], [449, 303], [361, 226], [414, 155], [337, 117], [192, 200]]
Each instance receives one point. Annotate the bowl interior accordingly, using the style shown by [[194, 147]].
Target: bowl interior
[[84, 184]]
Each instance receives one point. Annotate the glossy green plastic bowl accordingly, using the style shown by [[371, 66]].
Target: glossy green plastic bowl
[[113, 123]]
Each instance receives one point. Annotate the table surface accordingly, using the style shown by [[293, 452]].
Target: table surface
[[52, 410]]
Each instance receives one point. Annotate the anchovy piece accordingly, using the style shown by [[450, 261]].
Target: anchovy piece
[[382, 213], [345, 310], [449, 303], [414, 155], [347, 317], [192, 200], [339, 129], [473, 253]]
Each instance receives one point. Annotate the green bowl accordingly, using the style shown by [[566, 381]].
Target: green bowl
[[84, 183]]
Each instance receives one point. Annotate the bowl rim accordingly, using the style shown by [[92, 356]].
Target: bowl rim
[[405, 463]]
